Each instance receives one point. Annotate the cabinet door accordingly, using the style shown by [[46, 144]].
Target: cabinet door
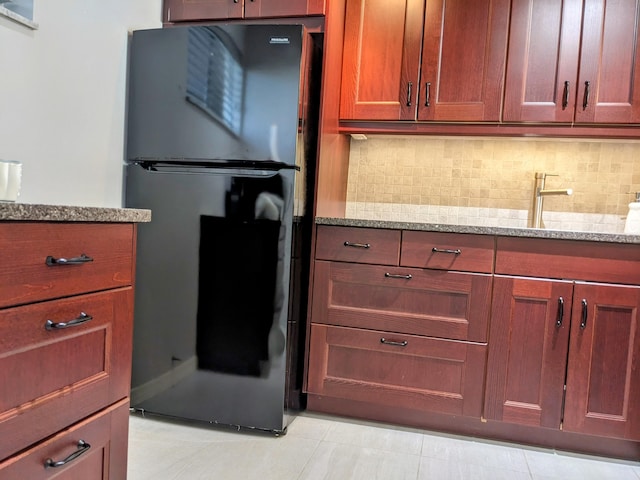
[[185, 10], [463, 58], [381, 59], [282, 8], [603, 384], [528, 344], [542, 63], [609, 84]]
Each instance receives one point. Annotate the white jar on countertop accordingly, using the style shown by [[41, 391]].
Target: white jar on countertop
[[632, 225]]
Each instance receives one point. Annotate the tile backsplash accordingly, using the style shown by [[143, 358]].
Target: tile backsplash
[[490, 181]]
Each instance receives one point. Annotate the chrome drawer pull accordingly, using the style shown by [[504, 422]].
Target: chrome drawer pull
[[82, 448], [357, 245], [404, 343], [391, 275], [457, 251], [79, 320], [52, 261]]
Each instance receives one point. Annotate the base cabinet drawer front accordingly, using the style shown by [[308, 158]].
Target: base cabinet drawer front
[[603, 378], [447, 251], [397, 370], [566, 259], [405, 300], [82, 258], [60, 361], [359, 245], [85, 451], [527, 362]]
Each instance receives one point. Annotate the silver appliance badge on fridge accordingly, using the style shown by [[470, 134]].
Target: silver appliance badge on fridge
[[279, 41]]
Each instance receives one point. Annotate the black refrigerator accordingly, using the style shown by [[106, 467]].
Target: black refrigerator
[[221, 146]]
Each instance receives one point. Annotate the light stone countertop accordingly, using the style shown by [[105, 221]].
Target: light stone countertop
[[504, 231], [60, 213]]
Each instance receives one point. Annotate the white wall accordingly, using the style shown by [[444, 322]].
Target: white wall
[[62, 97]]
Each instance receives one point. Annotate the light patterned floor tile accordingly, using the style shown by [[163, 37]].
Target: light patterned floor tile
[[338, 461], [544, 466], [436, 468], [478, 453]]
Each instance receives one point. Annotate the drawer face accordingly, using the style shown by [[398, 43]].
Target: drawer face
[[447, 251], [567, 259], [423, 373], [52, 378], [97, 460], [25, 277], [433, 303], [359, 245]]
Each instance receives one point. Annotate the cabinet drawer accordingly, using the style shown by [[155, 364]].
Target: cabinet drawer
[[52, 378], [447, 251], [360, 245], [567, 259], [25, 276], [412, 372], [103, 458], [431, 302]]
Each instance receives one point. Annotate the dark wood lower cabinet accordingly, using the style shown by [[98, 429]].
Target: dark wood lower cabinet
[[528, 346], [547, 334], [397, 370], [603, 378]]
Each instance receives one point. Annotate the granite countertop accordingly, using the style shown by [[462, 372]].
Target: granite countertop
[[61, 213], [505, 231]]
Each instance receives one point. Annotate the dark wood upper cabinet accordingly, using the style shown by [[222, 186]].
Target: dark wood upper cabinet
[[609, 81], [463, 60], [573, 61], [458, 77], [381, 59], [196, 10]]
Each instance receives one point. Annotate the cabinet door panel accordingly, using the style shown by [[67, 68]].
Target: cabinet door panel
[[282, 8], [414, 372], [381, 59], [544, 45], [463, 58], [185, 10], [603, 385], [527, 351], [610, 62]]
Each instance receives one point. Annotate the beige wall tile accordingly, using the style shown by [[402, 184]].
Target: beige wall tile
[[494, 172]]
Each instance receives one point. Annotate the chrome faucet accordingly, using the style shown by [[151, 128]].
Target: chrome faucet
[[540, 193]]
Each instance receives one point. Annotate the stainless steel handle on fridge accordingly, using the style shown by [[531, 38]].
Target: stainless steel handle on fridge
[[560, 315], [83, 447], [427, 93], [52, 261], [409, 89], [585, 312], [79, 320]]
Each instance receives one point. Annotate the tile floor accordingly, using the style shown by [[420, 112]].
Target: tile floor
[[330, 448]]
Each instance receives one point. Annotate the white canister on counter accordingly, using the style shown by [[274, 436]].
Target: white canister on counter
[[632, 225], [10, 179]]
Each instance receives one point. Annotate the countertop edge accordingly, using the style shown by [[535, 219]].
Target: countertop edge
[[68, 213], [480, 230]]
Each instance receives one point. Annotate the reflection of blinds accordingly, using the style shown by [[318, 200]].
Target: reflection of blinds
[[214, 78]]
